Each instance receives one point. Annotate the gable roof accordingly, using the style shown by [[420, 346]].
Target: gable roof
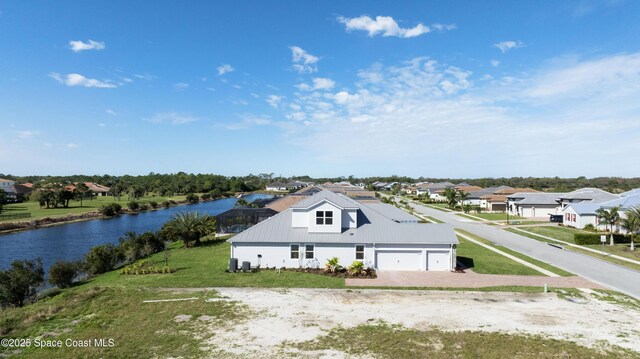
[[584, 208], [625, 203], [373, 227], [590, 194], [325, 195], [540, 198]]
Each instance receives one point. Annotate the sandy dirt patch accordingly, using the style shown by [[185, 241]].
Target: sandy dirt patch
[[295, 315]]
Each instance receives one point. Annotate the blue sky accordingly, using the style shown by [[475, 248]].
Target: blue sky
[[323, 88]]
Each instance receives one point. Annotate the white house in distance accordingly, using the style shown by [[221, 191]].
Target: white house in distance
[[327, 225], [532, 205]]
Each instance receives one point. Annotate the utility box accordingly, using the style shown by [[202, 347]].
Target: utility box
[[246, 266], [233, 265]]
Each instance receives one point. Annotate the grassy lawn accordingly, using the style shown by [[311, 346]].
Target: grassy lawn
[[382, 340], [565, 234], [74, 206], [205, 267], [483, 261], [526, 258], [138, 330], [490, 216]]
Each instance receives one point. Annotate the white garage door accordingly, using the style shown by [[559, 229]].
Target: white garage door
[[438, 261], [398, 260]]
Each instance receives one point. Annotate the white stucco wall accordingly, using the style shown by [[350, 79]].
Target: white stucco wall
[[336, 227], [424, 249], [278, 254], [534, 211]]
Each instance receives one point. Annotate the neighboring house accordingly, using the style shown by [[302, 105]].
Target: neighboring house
[[8, 187], [327, 225], [593, 195], [96, 189], [578, 215], [532, 205], [474, 198], [277, 187], [432, 189]]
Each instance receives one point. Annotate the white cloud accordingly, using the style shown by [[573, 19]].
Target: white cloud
[[77, 46], [387, 26], [72, 146], [102, 124], [224, 68], [111, 112], [505, 46], [181, 86], [304, 62], [79, 80], [495, 63], [423, 106], [249, 121], [173, 118], [145, 76], [274, 100], [319, 83]]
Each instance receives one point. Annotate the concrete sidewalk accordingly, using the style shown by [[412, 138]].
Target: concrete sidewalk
[[469, 279]]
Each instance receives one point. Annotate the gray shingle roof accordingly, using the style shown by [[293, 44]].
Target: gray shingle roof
[[584, 208], [373, 227], [632, 192], [532, 198], [486, 191], [625, 203], [595, 195]]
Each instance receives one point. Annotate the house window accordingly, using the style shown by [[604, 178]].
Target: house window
[[295, 251], [360, 252], [309, 251], [574, 218], [324, 217]]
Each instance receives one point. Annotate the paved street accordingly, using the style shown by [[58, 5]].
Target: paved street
[[608, 274]]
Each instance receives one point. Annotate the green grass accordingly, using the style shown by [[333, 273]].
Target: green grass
[[205, 267], [139, 330], [566, 234], [435, 220], [524, 257], [382, 340], [74, 206], [483, 261], [490, 216]]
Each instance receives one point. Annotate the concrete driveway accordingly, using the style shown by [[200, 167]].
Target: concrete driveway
[[469, 279]]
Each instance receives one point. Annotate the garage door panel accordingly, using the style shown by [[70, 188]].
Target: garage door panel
[[398, 260], [438, 261]]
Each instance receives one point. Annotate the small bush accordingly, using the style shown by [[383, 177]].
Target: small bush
[[62, 273], [356, 268], [193, 198], [101, 259], [332, 265], [111, 209], [153, 204], [133, 205], [589, 227], [205, 196], [145, 267], [594, 238], [166, 204], [144, 207]]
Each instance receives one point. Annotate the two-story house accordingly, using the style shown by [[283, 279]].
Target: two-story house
[[327, 225]]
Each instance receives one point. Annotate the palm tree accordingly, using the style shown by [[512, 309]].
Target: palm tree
[[462, 196], [631, 224], [81, 191], [610, 218], [189, 227], [452, 197]]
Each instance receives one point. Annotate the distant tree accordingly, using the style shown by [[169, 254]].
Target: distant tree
[[631, 224], [189, 227], [81, 191], [192, 198], [610, 218], [20, 282]]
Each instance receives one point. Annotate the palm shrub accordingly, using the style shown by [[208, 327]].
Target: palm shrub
[[189, 227], [332, 265], [631, 224], [62, 273], [356, 268]]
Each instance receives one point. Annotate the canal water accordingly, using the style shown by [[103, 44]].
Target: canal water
[[72, 241]]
